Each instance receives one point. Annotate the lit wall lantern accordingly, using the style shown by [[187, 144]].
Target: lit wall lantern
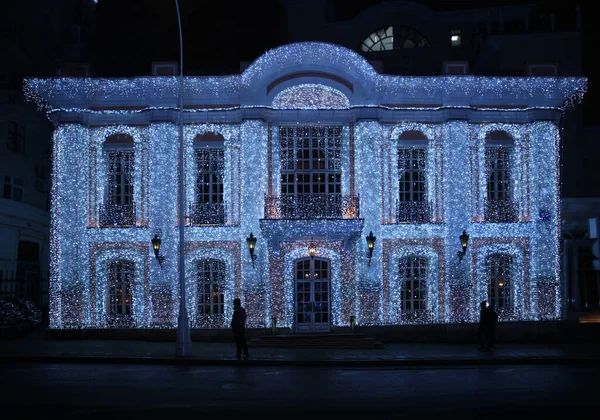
[[251, 241], [370, 245], [464, 241], [312, 250], [156, 246]]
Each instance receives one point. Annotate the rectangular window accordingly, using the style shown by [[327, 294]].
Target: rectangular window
[[41, 178], [455, 37], [15, 141], [413, 206], [500, 206], [13, 188], [499, 282], [311, 172], [120, 282], [210, 170], [211, 286]]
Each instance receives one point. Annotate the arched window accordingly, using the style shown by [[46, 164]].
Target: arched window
[[211, 288], [499, 284], [413, 206], [501, 206], [209, 208], [394, 38], [120, 284], [413, 288], [119, 208]]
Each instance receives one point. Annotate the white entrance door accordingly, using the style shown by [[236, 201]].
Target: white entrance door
[[313, 296]]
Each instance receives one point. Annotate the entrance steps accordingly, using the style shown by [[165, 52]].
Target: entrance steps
[[317, 341]]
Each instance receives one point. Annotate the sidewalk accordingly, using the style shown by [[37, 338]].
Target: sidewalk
[[36, 348]]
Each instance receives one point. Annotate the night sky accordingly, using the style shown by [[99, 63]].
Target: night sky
[[219, 34]]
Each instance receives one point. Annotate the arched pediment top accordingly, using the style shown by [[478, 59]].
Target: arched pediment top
[[117, 134], [310, 96], [414, 131], [500, 132], [498, 135], [220, 132], [119, 138], [308, 56]]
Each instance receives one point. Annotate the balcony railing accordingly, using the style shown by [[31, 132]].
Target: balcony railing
[[414, 212], [207, 214], [117, 215], [312, 206], [501, 211]]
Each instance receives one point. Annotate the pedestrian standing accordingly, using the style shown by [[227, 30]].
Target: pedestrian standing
[[483, 331], [493, 320], [238, 326]]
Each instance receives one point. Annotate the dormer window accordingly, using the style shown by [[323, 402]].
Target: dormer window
[[394, 38]]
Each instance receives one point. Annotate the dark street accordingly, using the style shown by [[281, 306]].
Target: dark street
[[136, 391]]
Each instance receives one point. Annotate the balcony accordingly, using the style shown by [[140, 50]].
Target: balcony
[[311, 206], [501, 211], [207, 214], [117, 215], [414, 212]]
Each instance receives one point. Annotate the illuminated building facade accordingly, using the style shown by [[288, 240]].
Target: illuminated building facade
[[309, 147]]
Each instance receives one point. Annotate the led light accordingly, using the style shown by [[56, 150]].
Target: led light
[[455, 177]]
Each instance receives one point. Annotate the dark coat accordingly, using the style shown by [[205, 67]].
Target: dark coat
[[238, 321]]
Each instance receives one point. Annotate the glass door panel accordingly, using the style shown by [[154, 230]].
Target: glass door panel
[[313, 308]]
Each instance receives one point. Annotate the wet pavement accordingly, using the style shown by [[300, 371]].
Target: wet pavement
[[38, 348]]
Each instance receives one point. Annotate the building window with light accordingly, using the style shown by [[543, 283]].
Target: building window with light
[[394, 38], [311, 172], [15, 140], [120, 300], [455, 37], [118, 208], [413, 273], [413, 205], [500, 205], [13, 188], [209, 155], [499, 287], [210, 306]]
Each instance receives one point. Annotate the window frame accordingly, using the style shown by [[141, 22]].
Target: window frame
[[418, 208], [311, 171], [500, 265], [124, 270], [409, 263], [15, 139], [217, 270], [501, 205], [119, 209], [12, 186]]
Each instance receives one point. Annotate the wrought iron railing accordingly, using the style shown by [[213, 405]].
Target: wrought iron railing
[[207, 214], [501, 211], [312, 206], [117, 215], [414, 212]]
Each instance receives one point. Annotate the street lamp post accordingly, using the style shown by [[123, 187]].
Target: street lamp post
[[183, 345]]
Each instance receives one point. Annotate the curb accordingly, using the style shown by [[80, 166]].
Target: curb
[[323, 363]]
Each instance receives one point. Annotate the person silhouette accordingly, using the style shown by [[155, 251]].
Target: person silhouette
[[483, 331], [238, 326], [493, 320]]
